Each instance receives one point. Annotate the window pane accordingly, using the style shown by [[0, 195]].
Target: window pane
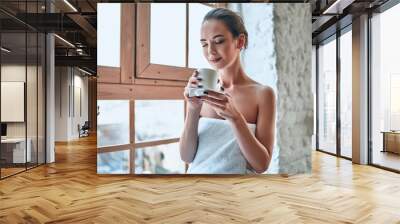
[[108, 34], [314, 80], [346, 94], [394, 101], [196, 14], [162, 159], [158, 119], [168, 42], [327, 97], [113, 162], [385, 88], [112, 122]]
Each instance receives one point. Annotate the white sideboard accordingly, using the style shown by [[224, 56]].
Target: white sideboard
[[17, 145]]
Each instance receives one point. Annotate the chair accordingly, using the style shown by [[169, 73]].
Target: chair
[[84, 130]]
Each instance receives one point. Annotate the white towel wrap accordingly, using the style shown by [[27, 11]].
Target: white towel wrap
[[218, 151]]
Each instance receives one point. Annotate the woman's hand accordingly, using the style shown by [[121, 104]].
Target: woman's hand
[[222, 104], [194, 103]]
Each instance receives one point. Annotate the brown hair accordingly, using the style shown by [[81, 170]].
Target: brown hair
[[232, 20]]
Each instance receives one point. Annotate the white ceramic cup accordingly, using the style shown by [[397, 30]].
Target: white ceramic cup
[[209, 81]]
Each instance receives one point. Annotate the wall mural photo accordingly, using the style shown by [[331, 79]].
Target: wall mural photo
[[204, 88]]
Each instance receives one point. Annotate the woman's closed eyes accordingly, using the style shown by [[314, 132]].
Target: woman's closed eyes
[[218, 41]]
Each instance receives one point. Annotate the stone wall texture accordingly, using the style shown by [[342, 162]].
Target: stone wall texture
[[292, 31]]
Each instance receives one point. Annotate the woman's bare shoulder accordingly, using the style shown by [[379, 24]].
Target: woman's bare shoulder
[[263, 91], [267, 91], [264, 94]]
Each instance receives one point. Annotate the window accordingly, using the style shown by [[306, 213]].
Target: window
[[327, 97], [109, 31], [346, 94], [158, 119], [314, 90], [157, 42], [161, 159], [394, 101], [140, 104], [158, 122], [168, 43], [197, 12], [113, 162], [112, 122], [385, 88], [157, 128], [328, 109]]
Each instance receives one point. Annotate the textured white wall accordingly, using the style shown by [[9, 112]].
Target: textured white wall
[[80, 82], [292, 29], [66, 123], [61, 103]]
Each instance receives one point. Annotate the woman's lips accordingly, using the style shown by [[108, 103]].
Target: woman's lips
[[215, 60]]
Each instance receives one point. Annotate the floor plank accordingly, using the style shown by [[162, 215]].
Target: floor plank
[[70, 191]]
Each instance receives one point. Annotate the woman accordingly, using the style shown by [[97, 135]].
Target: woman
[[230, 131]]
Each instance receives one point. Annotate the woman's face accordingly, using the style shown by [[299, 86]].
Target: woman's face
[[219, 47]]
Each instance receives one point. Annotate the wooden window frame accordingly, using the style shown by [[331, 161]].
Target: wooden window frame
[[146, 69], [108, 74], [136, 78], [132, 146]]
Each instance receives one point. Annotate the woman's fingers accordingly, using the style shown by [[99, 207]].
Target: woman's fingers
[[194, 81], [213, 101], [216, 95], [215, 105], [191, 99], [196, 85]]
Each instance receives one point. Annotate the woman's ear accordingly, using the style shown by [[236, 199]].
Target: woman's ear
[[241, 41]]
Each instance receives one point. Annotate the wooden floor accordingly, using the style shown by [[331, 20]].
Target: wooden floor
[[10, 171], [70, 191], [5, 172]]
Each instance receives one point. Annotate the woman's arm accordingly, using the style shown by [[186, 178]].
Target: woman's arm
[[188, 140], [257, 149]]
